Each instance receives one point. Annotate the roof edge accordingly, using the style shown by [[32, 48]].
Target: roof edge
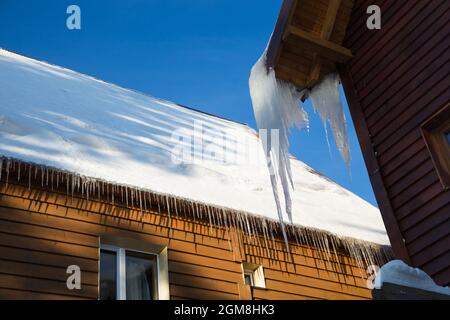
[[15, 171]]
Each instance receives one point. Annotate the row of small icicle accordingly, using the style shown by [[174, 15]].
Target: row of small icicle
[[257, 228]]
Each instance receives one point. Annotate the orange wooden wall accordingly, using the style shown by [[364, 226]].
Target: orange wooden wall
[[42, 232]]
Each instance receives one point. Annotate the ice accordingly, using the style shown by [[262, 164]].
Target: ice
[[277, 108], [276, 105], [398, 272], [326, 100]]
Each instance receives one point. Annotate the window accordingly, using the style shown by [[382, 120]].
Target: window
[[108, 275], [248, 278], [253, 275], [127, 274], [436, 132]]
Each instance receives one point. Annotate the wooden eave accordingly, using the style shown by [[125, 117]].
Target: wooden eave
[[307, 41]]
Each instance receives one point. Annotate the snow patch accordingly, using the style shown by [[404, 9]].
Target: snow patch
[[398, 272]]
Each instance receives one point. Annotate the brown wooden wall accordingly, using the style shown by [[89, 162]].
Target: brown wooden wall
[[398, 78], [42, 232]]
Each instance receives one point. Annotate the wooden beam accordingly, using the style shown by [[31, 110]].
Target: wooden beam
[[327, 30], [330, 19], [324, 48], [370, 158], [284, 18]]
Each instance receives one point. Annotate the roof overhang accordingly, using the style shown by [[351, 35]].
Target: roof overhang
[[307, 41]]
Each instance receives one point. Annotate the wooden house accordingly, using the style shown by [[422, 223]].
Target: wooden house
[[106, 193], [396, 80]]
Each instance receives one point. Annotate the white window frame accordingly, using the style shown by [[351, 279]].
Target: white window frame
[[256, 273], [162, 270]]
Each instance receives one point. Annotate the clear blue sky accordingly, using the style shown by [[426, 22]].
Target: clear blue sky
[[194, 52]]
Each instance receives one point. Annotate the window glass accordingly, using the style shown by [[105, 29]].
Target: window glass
[[436, 132], [140, 275], [108, 275], [248, 279]]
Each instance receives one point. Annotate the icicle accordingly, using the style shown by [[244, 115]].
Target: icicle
[[199, 212], [175, 204], [113, 194], [29, 177], [42, 176], [327, 102], [219, 218], [150, 201], [8, 166], [1, 168], [73, 184], [276, 106], [67, 185], [157, 201], [145, 201], [140, 206], [210, 222], [265, 236], [213, 216]]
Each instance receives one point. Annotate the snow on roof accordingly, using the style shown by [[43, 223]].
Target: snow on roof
[[63, 119]]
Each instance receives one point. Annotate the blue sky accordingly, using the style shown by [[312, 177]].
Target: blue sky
[[194, 52]]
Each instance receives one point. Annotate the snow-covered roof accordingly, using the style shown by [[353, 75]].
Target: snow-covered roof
[[63, 119]]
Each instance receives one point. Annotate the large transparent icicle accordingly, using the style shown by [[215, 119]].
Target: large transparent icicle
[[276, 105], [277, 108], [327, 102]]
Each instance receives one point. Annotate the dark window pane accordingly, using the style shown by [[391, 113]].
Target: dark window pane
[[108, 275], [448, 137], [140, 275], [248, 279]]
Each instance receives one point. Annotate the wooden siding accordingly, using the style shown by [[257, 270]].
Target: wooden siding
[[398, 78], [43, 232]]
